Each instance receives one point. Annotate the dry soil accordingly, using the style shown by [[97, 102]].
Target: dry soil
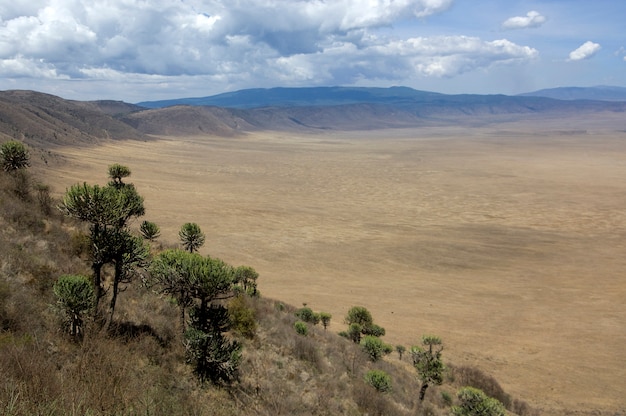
[[507, 242]]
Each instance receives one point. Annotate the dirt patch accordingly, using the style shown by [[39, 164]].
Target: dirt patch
[[509, 246]]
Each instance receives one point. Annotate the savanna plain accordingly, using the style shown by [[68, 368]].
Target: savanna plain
[[506, 241]]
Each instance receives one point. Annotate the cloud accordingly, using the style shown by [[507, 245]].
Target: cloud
[[151, 46], [532, 19], [584, 51]]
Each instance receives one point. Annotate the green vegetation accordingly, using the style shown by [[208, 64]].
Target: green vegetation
[[245, 278], [325, 317], [75, 298], [108, 210], [427, 361], [474, 402], [131, 362], [307, 315], [191, 236], [301, 328], [375, 348], [378, 379], [400, 349], [14, 155], [149, 230]]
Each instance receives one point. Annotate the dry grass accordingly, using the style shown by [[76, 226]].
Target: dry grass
[[507, 242]]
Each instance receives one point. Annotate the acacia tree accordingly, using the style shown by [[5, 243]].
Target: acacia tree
[[427, 361], [15, 156], [191, 236], [75, 297]]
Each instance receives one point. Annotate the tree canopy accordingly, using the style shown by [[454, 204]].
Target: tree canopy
[[14, 156]]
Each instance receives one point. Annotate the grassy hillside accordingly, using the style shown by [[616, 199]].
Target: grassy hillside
[[137, 366]]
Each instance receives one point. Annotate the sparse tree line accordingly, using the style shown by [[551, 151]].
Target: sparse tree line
[[426, 359], [199, 285]]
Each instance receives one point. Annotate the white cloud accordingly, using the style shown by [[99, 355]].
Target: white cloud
[[584, 51], [532, 19], [160, 44]]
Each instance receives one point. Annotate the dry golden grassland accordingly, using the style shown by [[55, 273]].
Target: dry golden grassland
[[507, 242]]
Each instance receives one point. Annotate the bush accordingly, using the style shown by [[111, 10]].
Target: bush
[[374, 347], [379, 380], [325, 318], [474, 402], [242, 317], [75, 296], [307, 315], [301, 328]]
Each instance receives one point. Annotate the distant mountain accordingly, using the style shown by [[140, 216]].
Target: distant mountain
[[299, 97], [39, 118], [601, 93]]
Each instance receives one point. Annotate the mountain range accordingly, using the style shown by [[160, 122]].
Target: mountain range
[[42, 118]]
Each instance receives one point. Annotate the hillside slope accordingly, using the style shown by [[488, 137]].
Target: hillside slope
[[43, 119], [137, 366]]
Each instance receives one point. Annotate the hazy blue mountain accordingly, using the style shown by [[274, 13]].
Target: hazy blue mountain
[[601, 93], [299, 97]]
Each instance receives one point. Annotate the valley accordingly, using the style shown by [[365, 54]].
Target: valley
[[507, 241]]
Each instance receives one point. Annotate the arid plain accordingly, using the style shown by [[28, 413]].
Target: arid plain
[[507, 241]]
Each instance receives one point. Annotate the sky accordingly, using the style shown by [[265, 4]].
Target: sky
[[141, 50]]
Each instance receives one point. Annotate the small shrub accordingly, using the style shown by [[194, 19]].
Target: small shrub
[[242, 317], [378, 379], [474, 377], [446, 398], [301, 328], [307, 315], [400, 349], [325, 318], [374, 347], [474, 402], [75, 296]]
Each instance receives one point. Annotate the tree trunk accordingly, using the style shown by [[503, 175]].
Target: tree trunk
[[182, 318], [423, 391], [116, 284]]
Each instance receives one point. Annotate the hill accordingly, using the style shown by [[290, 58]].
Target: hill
[[137, 365], [44, 119], [41, 119], [600, 93]]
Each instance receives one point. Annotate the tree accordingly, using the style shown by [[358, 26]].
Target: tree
[[15, 156], [128, 254], [360, 317], [378, 379], [246, 277], [118, 172], [191, 236], [400, 349], [325, 317], [198, 282], [107, 210], [427, 361], [306, 314], [301, 328], [374, 347], [474, 402], [75, 296], [149, 230]]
